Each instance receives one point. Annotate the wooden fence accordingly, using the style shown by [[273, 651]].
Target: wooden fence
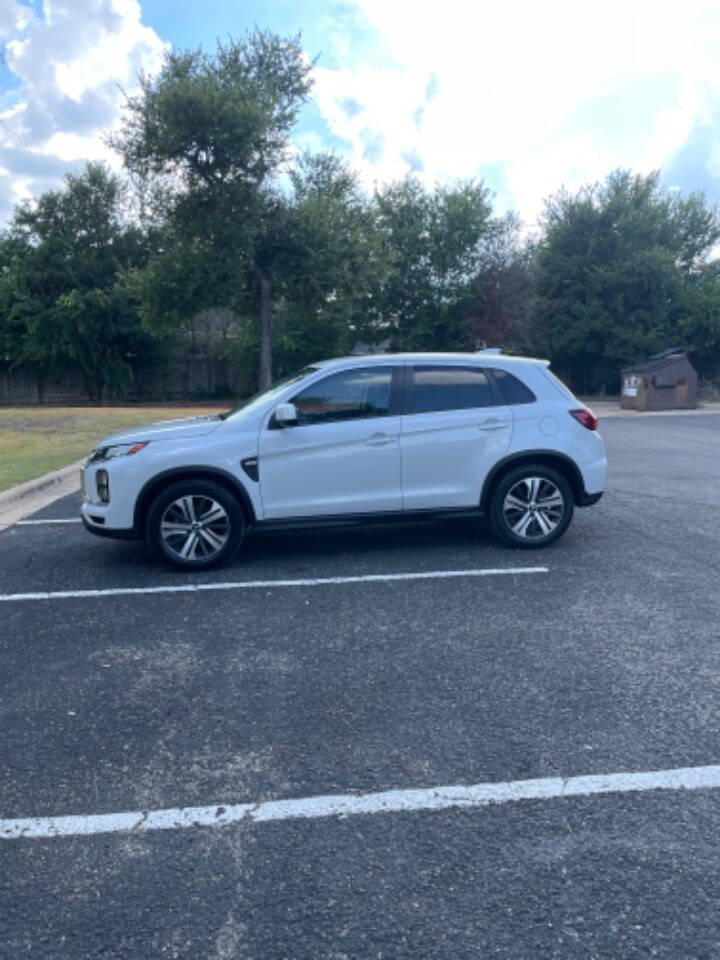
[[188, 378]]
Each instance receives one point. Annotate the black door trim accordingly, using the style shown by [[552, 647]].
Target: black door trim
[[363, 519]]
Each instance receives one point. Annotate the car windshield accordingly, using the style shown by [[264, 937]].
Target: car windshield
[[244, 407]]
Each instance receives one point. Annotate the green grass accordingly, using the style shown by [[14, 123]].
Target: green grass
[[36, 440]]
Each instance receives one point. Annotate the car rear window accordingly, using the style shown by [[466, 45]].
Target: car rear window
[[449, 388], [513, 390]]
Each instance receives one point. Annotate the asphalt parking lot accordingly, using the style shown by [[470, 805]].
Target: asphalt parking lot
[[605, 661]]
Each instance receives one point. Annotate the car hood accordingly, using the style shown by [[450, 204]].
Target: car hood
[[166, 430]]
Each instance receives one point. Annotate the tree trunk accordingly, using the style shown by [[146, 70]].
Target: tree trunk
[[265, 329], [93, 385]]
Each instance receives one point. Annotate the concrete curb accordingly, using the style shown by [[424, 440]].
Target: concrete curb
[[606, 412], [26, 498]]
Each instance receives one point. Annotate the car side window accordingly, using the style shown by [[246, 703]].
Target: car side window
[[449, 388], [513, 390], [348, 395]]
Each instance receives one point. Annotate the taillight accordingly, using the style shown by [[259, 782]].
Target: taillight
[[586, 417]]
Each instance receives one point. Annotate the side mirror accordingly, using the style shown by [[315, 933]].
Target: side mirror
[[286, 414]]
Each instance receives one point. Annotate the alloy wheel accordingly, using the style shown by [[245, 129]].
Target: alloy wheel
[[194, 528], [533, 508]]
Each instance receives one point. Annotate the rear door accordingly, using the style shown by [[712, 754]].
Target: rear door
[[455, 426], [343, 456]]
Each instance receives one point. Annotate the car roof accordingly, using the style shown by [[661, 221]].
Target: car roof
[[481, 357]]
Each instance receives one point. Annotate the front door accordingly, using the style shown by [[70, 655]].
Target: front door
[[342, 456], [455, 429]]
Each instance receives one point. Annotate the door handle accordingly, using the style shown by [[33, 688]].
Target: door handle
[[379, 440], [493, 425]]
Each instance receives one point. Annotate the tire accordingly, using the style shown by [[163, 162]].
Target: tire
[[195, 525], [531, 506]]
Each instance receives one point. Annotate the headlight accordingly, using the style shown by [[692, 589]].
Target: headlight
[[121, 450], [102, 485]]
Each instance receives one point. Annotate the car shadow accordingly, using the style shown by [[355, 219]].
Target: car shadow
[[376, 538]]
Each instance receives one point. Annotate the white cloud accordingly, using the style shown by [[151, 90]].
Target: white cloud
[[70, 64], [516, 89], [13, 16], [380, 126]]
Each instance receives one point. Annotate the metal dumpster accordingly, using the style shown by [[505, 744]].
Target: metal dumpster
[[666, 381]]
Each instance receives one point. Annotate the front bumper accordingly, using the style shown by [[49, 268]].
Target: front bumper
[[113, 517], [112, 533]]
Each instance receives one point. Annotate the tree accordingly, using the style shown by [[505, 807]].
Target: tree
[[311, 245], [430, 247], [500, 307], [216, 128], [614, 274], [317, 250], [696, 315], [697, 319], [62, 289]]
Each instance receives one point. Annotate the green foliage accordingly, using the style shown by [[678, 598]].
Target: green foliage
[[321, 258], [301, 262], [217, 120], [104, 338], [181, 278], [217, 128], [697, 319], [502, 288], [428, 257], [618, 275], [63, 296]]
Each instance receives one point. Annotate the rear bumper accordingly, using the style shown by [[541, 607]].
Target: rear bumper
[[111, 533]]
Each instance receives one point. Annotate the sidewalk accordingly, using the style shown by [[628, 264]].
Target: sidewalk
[[26, 498], [605, 409]]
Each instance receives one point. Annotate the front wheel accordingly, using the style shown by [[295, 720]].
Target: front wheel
[[531, 506], [195, 525]]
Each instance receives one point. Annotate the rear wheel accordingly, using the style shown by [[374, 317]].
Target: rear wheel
[[195, 525], [531, 506]]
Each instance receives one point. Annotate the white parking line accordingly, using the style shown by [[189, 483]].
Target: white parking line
[[32, 523], [270, 584], [344, 805]]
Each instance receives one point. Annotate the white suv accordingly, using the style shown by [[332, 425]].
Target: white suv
[[394, 436]]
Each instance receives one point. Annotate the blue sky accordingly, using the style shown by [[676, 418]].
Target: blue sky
[[527, 96]]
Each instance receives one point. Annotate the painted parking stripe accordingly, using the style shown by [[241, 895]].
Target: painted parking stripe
[[270, 584], [33, 523], [345, 805]]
